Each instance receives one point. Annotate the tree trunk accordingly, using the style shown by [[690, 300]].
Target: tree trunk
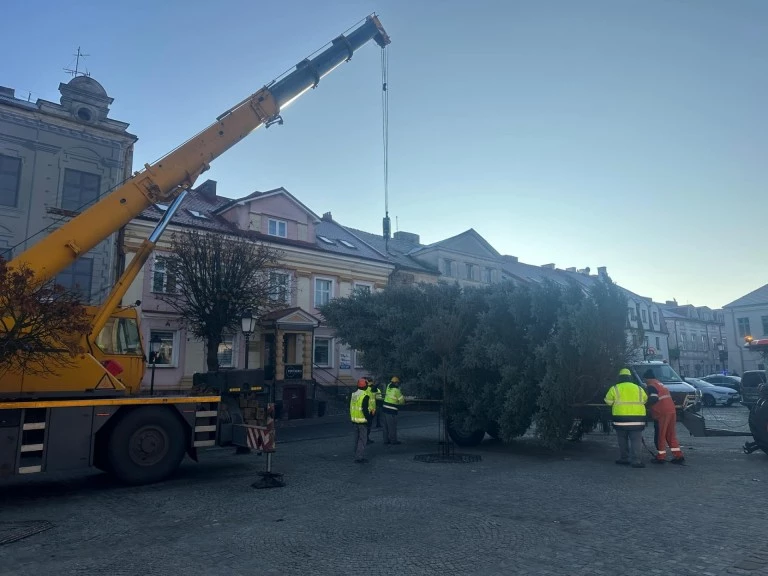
[[213, 353]]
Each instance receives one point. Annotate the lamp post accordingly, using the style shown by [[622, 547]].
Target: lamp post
[[723, 355], [248, 325], [154, 348]]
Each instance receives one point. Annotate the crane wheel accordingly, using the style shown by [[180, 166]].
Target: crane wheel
[[146, 445]]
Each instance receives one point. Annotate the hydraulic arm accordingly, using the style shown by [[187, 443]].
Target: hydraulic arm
[[178, 170]]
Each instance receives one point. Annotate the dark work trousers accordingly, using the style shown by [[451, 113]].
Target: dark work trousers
[[630, 444], [360, 441], [390, 427], [368, 428]]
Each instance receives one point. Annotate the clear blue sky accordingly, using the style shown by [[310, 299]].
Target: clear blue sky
[[622, 133]]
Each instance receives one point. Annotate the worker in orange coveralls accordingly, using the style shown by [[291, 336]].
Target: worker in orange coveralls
[[662, 409]]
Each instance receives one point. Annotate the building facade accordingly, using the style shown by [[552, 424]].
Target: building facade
[[746, 316], [55, 160], [319, 260], [697, 339]]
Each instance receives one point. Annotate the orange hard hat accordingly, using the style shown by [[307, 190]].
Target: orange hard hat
[[362, 383]]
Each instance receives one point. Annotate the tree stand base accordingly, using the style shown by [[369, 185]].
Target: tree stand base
[[269, 480]]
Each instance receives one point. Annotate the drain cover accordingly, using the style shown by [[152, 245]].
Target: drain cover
[[15, 531], [447, 458]]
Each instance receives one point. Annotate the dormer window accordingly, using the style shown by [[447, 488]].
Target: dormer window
[[197, 214], [326, 240], [277, 228], [348, 244], [162, 207]]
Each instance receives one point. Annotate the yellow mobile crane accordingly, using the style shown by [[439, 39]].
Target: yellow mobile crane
[[92, 412]]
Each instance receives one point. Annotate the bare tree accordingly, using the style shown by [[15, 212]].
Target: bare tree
[[217, 278], [41, 324]]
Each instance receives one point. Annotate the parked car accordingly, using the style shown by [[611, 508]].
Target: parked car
[[723, 380], [683, 394], [712, 395], [750, 380]]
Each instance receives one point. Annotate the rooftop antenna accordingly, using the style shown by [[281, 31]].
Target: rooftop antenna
[[76, 71]]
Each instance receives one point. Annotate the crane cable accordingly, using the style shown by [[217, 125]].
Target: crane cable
[[385, 126]]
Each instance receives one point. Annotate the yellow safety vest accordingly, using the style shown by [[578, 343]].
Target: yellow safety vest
[[371, 401], [356, 413], [627, 401], [393, 398]]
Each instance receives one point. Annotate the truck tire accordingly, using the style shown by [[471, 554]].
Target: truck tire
[[146, 445], [466, 439]]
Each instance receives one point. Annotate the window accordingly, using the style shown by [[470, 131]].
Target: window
[[326, 240], [644, 315], [348, 244], [323, 356], [119, 336], [166, 355], [80, 189], [197, 214], [277, 228], [323, 291], [646, 341], [163, 278], [77, 277], [655, 317], [487, 275], [279, 287], [682, 340], [363, 287], [765, 325], [470, 270], [632, 314], [743, 327], [10, 176], [359, 359], [226, 352], [658, 343], [162, 207], [447, 267]]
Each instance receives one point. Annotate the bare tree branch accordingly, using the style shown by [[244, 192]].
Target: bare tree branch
[[216, 278], [41, 324]]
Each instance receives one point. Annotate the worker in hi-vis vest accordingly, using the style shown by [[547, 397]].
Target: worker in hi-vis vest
[[359, 415], [393, 399], [627, 401]]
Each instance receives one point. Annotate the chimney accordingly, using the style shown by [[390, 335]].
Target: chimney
[[207, 190], [7, 92], [586, 270], [327, 217], [573, 269], [407, 237], [548, 266], [509, 259], [671, 303], [602, 271]]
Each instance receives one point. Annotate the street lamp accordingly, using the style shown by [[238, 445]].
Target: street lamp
[[154, 348], [248, 325]]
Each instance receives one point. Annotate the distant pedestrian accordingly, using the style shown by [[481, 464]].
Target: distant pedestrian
[[379, 400], [664, 414], [359, 415], [393, 399], [371, 408], [627, 401]]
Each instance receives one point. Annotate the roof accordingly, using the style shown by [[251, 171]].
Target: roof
[[203, 211], [396, 249], [274, 192], [756, 297], [471, 233]]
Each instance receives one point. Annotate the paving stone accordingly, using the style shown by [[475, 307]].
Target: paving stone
[[520, 510]]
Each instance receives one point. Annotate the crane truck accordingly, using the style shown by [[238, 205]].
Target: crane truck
[[92, 412]]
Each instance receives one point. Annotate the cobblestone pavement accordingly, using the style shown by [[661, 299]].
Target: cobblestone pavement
[[518, 511]]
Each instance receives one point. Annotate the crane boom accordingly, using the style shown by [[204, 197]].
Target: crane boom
[[177, 171]]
